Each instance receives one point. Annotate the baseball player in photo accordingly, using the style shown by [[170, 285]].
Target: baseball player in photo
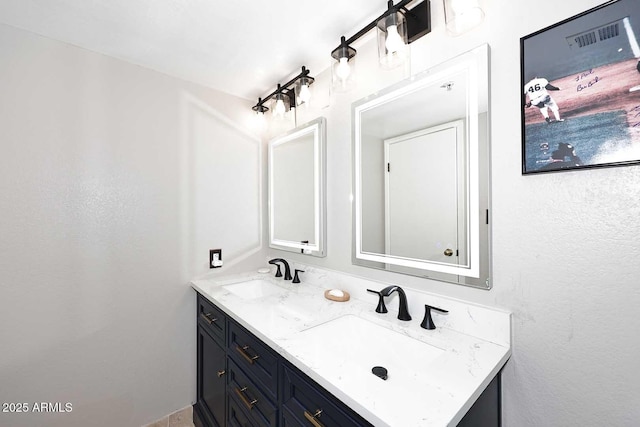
[[537, 92]]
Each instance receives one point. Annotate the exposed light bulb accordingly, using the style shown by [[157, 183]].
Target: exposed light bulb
[[394, 42], [305, 94], [279, 109], [343, 69]]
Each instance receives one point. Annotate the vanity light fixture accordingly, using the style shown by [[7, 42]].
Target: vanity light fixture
[[343, 69], [397, 27], [462, 15], [293, 93], [303, 90], [280, 103], [392, 37], [260, 109]]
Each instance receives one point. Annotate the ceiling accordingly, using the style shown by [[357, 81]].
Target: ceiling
[[242, 47]]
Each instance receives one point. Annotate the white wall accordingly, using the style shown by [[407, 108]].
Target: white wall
[[115, 181], [565, 245]]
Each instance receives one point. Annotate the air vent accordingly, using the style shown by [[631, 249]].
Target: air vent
[[609, 31], [595, 35], [585, 39]]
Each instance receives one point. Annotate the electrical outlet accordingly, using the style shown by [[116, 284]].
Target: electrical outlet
[[215, 258]]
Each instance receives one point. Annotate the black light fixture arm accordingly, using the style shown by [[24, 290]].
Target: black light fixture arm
[[413, 35], [284, 88], [418, 20]]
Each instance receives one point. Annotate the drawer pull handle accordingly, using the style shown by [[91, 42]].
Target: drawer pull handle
[[313, 418], [243, 352], [247, 402], [208, 319], [221, 373]]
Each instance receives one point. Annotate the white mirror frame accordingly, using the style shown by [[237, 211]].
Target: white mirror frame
[[317, 128], [476, 63]]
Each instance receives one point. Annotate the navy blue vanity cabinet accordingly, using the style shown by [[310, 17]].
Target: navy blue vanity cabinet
[[254, 357], [253, 376], [305, 403], [251, 398], [486, 411], [237, 416], [210, 407]]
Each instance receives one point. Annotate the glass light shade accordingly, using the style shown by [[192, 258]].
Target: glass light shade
[[280, 105], [343, 68], [392, 40], [303, 90], [259, 116], [343, 72], [260, 121], [462, 15]]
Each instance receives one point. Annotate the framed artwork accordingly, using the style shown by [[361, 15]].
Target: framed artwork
[[580, 86]]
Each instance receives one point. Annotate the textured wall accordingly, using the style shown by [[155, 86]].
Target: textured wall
[[565, 246], [114, 182]]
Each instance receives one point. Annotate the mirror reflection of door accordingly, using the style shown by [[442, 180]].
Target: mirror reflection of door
[[422, 194]]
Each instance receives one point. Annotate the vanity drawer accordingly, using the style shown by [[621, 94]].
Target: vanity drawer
[[254, 357], [306, 404], [251, 398], [211, 318], [237, 416]]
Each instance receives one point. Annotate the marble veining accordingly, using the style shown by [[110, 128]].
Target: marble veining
[[461, 356]]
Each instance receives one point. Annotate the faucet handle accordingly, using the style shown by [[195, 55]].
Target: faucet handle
[[381, 308], [296, 279], [278, 272], [427, 322]]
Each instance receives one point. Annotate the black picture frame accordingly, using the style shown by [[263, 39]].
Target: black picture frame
[[580, 91]]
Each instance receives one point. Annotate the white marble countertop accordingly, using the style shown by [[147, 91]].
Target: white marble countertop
[[437, 393]]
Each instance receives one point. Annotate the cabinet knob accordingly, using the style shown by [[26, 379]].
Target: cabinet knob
[[221, 373], [448, 252]]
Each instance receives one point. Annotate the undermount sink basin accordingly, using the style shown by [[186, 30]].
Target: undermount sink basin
[[252, 289], [361, 345]]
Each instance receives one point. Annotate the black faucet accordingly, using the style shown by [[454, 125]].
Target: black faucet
[[287, 270], [403, 311]]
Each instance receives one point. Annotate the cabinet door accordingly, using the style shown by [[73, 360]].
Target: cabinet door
[[237, 417], [212, 366], [255, 358], [253, 399], [305, 403], [212, 319]]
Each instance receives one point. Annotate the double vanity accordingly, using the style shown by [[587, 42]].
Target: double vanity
[[272, 352], [275, 353]]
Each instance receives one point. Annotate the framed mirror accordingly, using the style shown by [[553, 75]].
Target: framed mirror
[[421, 174], [297, 189]]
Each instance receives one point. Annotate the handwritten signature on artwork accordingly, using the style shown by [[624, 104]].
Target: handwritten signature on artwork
[[588, 84]]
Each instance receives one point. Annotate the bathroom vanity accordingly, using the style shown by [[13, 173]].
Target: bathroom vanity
[[274, 353]]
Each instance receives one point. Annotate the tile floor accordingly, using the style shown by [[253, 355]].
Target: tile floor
[[181, 418]]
